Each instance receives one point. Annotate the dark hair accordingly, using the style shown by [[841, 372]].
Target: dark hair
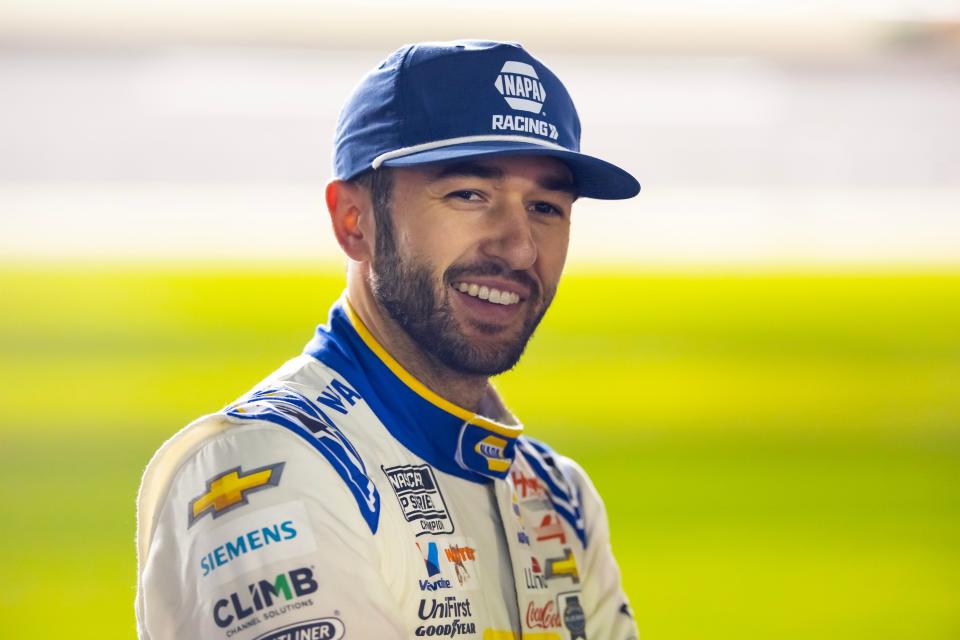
[[379, 184]]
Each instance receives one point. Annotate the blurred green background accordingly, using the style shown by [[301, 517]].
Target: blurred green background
[[779, 452], [778, 447]]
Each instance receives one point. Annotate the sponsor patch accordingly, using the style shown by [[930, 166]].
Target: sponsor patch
[[531, 492], [431, 557], [572, 615], [463, 560], [247, 543], [533, 575], [435, 580], [481, 451], [449, 564], [493, 450], [527, 486], [545, 616], [564, 567], [319, 629], [228, 490], [446, 617], [550, 528], [562, 491], [420, 498], [265, 599]]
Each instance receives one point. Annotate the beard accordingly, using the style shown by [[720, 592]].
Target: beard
[[405, 288]]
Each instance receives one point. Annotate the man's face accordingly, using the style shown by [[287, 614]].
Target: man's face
[[469, 256]]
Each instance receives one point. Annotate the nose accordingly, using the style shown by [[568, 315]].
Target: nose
[[511, 237]]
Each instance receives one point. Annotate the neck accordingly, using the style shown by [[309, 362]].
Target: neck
[[472, 392]]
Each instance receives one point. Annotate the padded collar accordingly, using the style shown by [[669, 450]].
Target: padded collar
[[450, 438]]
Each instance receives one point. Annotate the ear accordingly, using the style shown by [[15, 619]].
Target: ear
[[351, 214]]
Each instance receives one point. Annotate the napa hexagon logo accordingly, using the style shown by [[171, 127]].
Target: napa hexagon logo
[[520, 86], [493, 449]]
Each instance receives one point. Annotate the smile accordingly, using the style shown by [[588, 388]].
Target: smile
[[496, 296]]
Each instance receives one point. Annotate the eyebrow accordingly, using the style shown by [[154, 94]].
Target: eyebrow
[[486, 172], [469, 170]]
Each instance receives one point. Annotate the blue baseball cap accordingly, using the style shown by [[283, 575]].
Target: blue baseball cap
[[442, 101]]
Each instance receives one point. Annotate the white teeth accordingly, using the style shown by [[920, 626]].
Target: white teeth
[[489, 294]]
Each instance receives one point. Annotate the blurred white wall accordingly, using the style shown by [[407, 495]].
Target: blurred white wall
[[759, 138]]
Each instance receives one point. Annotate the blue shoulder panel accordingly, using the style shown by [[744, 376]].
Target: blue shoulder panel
[[294, 411], [564, 493]]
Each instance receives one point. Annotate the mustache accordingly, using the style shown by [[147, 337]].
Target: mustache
[[522, 278]]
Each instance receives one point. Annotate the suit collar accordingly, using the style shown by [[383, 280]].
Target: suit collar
[[452, 439]]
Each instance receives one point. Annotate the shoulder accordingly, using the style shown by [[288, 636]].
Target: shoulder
[[553, 466], [228, 501], [311, 416], [570, 488], [218, 467], [286, 427]]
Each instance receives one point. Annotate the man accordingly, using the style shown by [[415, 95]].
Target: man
[[376, 486]]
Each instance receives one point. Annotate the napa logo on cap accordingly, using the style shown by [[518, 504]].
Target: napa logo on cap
[[520, 86]]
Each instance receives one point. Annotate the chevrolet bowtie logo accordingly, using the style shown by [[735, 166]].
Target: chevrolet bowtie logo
[[229, 490], [565, 567]]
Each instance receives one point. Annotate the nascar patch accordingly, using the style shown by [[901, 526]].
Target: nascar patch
[[420, 498]]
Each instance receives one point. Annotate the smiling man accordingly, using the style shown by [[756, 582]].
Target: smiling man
[[376, 486]]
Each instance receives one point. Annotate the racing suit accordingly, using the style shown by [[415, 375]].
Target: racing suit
[[341, 498]]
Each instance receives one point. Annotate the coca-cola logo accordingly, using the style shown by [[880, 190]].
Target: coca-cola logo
[[545, 617]]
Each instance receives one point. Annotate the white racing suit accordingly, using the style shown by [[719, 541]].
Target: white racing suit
[[343, 499]]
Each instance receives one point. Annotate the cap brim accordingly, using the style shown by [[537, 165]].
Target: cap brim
[[595, 178]]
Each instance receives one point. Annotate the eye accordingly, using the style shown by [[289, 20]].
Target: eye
[[464, 194], [547, 208]]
